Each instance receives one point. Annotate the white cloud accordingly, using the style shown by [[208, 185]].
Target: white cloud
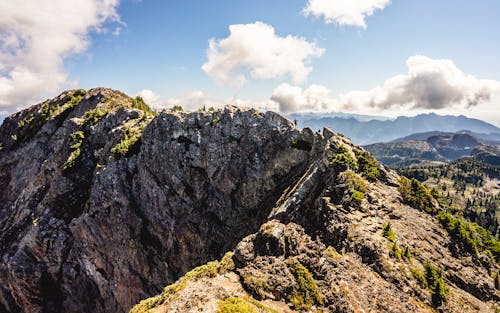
[[293, 98], [151, 98], [36, 37], [429, 84], [257, 49], [344, 12]]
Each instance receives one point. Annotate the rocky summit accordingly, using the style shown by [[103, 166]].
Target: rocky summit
[[107, 206]]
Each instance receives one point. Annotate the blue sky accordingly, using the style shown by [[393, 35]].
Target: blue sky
[[162, 46]]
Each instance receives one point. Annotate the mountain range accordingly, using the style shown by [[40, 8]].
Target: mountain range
[[107, 206], [364, 132]]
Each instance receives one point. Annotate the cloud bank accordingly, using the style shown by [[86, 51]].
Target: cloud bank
[[344, 12], [257, 49], [293, 98], [430, 84], [36, 37]]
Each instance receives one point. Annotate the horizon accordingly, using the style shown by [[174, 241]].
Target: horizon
[[288, 57]]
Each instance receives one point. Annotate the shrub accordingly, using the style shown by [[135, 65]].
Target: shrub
[[343, 159], [435, 282], [130, 140], [93, 116], [416, 194], [368, 165], [474, 237], [138, 103], [177, 108], [306, 293], [388, 232], [76, 140], [357, 197], [353, 181]]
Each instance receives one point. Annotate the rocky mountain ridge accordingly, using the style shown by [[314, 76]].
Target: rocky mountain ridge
[[104, 203]]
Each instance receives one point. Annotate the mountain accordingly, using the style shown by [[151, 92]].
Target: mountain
[[364, 132], [104, 202], [438, 147], [486, 139]]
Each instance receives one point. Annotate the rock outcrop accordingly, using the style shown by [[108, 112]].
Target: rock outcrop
[[103, 203]]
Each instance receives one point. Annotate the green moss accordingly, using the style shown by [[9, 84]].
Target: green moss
[[388, 232], [236, 305], [368, 165], [306, 293], [256, 286], [226, 264], [343, 159], [138, 103], [331, 252]]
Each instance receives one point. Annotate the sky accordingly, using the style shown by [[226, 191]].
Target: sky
[[378, 57]]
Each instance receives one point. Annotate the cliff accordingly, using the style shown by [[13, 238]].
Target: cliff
[[103, 203]]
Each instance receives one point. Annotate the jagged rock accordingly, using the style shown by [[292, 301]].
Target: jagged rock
[[97, 220]]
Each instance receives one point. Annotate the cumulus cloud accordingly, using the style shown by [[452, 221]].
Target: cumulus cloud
[[344, 12], [429, 84], [151, 98], [256, 49], [36, 37], [294, 98]]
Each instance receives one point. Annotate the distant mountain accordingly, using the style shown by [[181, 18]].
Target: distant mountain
[[365, 132], [316, 115], [436, 148], [487, 139]]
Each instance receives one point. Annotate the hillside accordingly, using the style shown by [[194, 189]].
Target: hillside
[[438, 147], [105, 203], [365, 132], [469, 186]]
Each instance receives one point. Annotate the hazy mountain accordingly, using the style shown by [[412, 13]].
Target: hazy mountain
[[434, 147], [104, 203], [364, 132], [487, 139]]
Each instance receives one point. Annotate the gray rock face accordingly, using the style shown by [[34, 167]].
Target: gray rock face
[[108, 232], [102, 204]]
